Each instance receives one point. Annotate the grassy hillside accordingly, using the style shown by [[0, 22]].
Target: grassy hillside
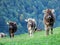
[[39, 38]]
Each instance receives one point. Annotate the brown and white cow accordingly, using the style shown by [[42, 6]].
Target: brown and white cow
[[12, 28], [31, 25], [49, 20]]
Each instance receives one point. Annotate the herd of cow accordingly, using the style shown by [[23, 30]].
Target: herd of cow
[[48, 20]]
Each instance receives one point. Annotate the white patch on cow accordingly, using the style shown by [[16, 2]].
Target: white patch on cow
[[29, 22], [49, 16], [47, 23], [29, 28], [30, 32], [45, 28]]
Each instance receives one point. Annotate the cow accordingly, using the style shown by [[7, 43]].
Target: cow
[[2, 35], [12, 28], [49, 20], [31, 25]]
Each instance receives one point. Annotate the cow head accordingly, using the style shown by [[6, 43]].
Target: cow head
[[48, 13]]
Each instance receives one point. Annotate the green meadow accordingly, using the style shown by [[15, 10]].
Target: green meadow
[[39, 38]]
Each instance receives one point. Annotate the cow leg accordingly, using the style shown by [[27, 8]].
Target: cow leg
[[9, 33], [47, 30], [31, 33], [12, 34], [35, 29], [51, 30]]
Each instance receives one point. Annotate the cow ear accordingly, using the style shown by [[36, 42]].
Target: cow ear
[[53, 10], [33, 20], [26, 20], [14, 22], [44, 11], [8, 23]]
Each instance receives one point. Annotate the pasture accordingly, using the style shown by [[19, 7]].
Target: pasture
[[39, 38]]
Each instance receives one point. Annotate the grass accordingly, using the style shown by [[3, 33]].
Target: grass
[[38, 38]]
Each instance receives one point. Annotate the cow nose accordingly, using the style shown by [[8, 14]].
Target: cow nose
[[49, 16]]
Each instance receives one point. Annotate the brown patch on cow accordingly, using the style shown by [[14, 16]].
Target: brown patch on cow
[[49, 20], [12, 28]]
